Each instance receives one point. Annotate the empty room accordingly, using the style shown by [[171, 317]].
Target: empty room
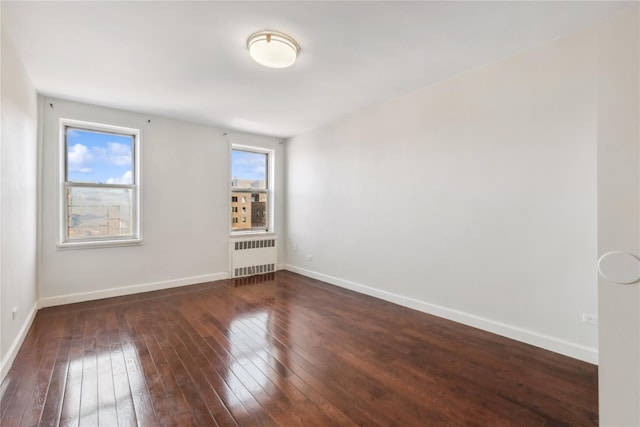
[[320, 213]]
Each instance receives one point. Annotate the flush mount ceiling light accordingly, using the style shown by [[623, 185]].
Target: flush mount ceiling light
[[273, 49]]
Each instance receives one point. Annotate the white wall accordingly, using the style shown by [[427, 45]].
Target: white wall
[[185, 209], [19, 203], [619, 217], [474, 199]]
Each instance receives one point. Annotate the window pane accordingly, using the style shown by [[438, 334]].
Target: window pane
[[99, 212], [248, 170], [248, 211], [97, 157]]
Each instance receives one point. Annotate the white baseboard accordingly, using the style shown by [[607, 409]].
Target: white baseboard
[[576, 351], [8, 359], [128, 290]]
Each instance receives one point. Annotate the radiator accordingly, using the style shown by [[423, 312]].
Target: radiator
[[254, 256]]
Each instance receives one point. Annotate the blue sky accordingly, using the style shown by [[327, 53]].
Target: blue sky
[[99, 157], [248, 165]]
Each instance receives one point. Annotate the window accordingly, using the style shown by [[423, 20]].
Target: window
[[100, 184], [250, 189]]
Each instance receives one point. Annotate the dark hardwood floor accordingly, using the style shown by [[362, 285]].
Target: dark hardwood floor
[[282, 350]]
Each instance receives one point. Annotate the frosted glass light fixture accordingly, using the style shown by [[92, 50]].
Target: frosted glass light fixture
[[273, 49]]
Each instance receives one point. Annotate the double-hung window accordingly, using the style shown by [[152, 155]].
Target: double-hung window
[[250, 189], [100, 200]]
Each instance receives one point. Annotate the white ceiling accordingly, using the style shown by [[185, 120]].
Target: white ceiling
[[188, 60]]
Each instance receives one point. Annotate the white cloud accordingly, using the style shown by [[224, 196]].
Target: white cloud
[[119, 154], [81, 170], [114, 153], [79, 158], [251, 164], [126, 178]]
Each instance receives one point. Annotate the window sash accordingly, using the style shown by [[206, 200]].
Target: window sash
[[133, 213], [267, 167], [97, 129]]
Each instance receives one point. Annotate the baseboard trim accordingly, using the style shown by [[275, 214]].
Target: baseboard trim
[[129, 290], [567, 348], [8, 359]]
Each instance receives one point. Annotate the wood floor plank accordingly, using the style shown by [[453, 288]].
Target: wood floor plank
[[47, 394], [18, 383], [331, 385], [222, 357], [322, 380], [70, 413], [281, 350], [211, 362], [107, 411], [35, 402], [309, 411], [167, 341], [140, 381], [52, 409], [89, 382], [210, 398], [152, 369]]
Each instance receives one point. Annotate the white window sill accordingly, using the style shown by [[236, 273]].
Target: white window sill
[[245, 234], [99, 244]]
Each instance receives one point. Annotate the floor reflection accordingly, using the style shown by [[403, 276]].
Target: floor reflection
[[257, 372], [250, 352], [100, 385], [252, 280]]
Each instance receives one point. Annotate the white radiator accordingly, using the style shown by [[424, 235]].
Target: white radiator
[[253, 256]]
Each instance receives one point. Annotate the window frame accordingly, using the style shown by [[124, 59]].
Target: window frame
[[136, 203], [269, 178]]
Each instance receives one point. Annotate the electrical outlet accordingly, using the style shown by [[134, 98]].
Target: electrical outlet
[[14, 313], [309, 258], [591, 319]]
